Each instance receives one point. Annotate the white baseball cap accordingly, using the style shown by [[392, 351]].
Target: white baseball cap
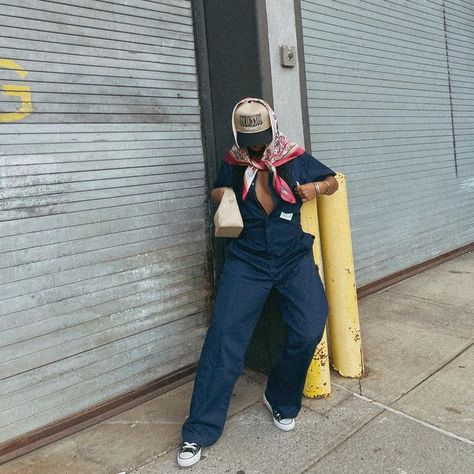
[[252, 123]]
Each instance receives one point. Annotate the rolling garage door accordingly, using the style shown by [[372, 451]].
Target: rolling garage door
[[386, 110], [103, 212]]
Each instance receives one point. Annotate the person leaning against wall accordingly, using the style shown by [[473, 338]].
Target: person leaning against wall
[[271, 178]]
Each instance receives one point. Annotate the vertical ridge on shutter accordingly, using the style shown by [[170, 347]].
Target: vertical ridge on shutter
[[380, 111]]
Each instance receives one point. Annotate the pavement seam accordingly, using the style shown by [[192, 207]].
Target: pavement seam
[[447, 362], [352, 433], [392, 410], [405, 415]]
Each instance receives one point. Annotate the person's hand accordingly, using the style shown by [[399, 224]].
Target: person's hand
[[305, 191], [217, 194]]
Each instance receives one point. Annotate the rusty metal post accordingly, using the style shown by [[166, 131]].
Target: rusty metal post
[[336, 244], [318, 382]]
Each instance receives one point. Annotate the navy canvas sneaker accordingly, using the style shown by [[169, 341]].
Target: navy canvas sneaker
[[189, 454], [285, 424]]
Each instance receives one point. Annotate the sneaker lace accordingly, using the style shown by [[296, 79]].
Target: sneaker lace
[[277, 415], [189, 446]]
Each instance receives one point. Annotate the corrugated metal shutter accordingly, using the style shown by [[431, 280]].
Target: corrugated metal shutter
[[380, 112], [459, 16], [103, 280]]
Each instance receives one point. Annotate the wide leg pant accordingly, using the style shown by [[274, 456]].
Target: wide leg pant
[[241, 294]]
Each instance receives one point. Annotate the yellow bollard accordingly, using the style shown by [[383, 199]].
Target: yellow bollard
[[336, 244], [318, 382]]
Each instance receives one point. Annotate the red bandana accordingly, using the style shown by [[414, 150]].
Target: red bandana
[[279, 152]]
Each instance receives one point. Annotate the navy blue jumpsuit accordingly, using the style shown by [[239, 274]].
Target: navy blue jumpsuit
[[271, 252]]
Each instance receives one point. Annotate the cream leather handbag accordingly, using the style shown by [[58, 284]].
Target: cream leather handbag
[[227, 220]]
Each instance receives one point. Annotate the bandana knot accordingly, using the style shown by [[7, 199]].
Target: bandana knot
[[277, 153]]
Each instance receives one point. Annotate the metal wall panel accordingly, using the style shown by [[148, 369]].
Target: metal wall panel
[[381, 103], [460, 34], [103, 242]]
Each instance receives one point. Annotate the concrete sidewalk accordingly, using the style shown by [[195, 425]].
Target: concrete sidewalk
[[413, 412]]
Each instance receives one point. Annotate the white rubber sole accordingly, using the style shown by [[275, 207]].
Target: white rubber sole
[[190, 461], [280, 426]]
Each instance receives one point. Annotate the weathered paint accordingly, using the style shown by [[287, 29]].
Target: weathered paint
[[22, 92], [103, 215], [318, 381], [336, 244]]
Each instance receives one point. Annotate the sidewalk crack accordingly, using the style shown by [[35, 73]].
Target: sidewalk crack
[[412, 418]]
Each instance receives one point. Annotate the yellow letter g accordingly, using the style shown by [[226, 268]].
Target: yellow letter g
[[23, 92]]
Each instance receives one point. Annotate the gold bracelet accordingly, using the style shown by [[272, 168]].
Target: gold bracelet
[[317, 188], [328, 186]]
